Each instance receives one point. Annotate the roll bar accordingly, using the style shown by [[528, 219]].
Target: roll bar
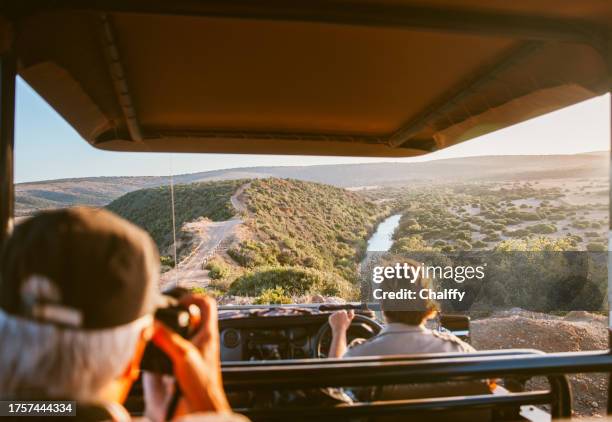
[[7, 124], [429, 368], [408, 369]]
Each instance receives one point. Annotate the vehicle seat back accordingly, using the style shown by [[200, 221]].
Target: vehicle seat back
[[437, 390]]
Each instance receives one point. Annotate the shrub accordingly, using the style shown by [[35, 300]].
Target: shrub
[[580, 224], [275, 296], [479, 244], [463, 245], [251, 253], [217, 269], [410, 244], [494, 237], [463, 235], [167, 261], [596, 247], [542, 228], [296, 281], [198, 290]]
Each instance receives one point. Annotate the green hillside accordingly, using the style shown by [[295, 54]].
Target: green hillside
[[304, 224], [301, 238], [151, 208]]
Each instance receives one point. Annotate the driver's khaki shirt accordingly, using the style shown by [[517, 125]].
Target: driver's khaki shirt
[[400, 339]]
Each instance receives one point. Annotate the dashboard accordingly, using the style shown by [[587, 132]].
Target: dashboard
[[273, 333], [279, 333], [243, 344]]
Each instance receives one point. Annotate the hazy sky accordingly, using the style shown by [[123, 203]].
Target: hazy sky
[[48, 148]]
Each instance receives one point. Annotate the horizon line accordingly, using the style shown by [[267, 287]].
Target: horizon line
[[316, 165]]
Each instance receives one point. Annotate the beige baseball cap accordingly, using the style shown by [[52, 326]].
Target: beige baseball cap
[[81, 268]]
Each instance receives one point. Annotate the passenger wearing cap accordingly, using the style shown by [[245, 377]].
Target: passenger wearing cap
[[78, 290]]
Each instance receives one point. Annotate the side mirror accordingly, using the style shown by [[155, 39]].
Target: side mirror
[[459, 325]]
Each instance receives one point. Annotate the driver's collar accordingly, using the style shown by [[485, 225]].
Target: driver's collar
[[397, 327]]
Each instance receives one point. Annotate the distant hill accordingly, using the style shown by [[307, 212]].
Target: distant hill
[[99, 191]]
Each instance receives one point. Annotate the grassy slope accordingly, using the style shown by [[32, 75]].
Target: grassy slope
[[151, 208], [305, 225], [307, 238]]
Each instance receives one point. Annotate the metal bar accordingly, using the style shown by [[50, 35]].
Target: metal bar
[[425, 370], [607, 53], [227, 134], [516, 26], [117, 73], [411, 128], [365, 359], [408, 406], [7, 142], [560, 388]]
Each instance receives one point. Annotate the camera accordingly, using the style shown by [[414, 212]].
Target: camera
[[178, 318]]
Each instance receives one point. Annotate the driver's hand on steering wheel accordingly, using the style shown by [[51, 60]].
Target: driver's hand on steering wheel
[[340, 321]]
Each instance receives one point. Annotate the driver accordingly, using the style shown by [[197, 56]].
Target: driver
[[78, 289], [404, 333]]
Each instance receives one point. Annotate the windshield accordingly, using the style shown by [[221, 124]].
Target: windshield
[[255, 229]]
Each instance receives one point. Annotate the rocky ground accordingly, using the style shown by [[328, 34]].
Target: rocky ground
[[576, 331]]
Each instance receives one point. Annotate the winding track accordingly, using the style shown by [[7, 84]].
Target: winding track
[[211, 236]]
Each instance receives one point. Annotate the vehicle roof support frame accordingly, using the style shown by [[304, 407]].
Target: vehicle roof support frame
[[608, 59], [117, 73], [8, 74], [411, 128]]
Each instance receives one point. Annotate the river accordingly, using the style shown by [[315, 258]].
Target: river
[[382, 239]]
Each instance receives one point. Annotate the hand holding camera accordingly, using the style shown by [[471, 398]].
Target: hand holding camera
[[192, 346]]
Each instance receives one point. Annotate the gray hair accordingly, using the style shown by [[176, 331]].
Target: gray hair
[[39, 360]]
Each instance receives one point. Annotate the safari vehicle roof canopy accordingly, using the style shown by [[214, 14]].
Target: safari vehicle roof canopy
[[361, 78]]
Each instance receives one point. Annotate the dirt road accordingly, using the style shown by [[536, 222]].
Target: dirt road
[[236, 198], [210, 238]]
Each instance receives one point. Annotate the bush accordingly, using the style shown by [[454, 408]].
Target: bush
[[596, 247], [217, 269], [493, 237], [542, 228], [167, 261], [296, 281], [580, 224], [463, 245], [479, 244], [275, 296]]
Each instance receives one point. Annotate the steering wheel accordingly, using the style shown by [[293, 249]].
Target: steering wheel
[[361, 327]]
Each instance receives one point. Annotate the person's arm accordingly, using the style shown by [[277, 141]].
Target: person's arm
[[197, 363], [339, 322]]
